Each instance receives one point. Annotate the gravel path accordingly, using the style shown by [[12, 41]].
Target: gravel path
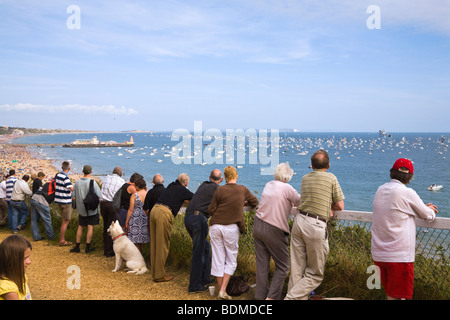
[[48, 277]]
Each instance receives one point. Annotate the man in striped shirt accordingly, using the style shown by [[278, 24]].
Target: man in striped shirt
[[320, 194], [9, 189], [63, 197]]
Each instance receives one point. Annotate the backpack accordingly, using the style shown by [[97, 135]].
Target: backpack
[[117, 199], [91, 201], [48, 190]]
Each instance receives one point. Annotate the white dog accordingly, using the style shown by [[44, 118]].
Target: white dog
[[126, 250]]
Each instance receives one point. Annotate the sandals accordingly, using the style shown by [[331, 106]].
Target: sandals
[[65, 243]]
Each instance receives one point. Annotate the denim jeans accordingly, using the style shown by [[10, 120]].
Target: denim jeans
[[9, 215], [42, 211], [197, 227], [19, 214]]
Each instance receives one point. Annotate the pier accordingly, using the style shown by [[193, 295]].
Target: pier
[[51, 145]]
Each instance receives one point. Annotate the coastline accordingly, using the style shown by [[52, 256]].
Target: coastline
[[24, 162]]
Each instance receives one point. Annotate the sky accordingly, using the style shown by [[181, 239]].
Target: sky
[[314, 66]]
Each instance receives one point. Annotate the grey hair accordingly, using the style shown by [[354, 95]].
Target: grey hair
[[183, 178], [118, 171], [158, 179], [283, 172]]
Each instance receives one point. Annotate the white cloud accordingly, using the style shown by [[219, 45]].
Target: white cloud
[[67, 108]]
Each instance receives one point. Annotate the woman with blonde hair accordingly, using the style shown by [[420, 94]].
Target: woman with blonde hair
[[15, 254], [227, 221]]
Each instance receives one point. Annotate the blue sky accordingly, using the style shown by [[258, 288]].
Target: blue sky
[[161, 65]]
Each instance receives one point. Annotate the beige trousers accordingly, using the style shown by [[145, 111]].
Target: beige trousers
[[309, 250], [161, 222]]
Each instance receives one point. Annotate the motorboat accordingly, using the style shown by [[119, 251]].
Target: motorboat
[[434, 187]]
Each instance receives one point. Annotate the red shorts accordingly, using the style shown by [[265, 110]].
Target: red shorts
[[397, 278]]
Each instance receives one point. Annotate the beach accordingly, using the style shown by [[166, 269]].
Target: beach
[[20, 159]]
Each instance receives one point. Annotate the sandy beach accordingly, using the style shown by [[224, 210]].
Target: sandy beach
[[20, 159], [23, 162]]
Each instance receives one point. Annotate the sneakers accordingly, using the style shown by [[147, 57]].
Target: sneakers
[[202, 289], [211, 281], [76, 249], [88, 250], [223, 296]]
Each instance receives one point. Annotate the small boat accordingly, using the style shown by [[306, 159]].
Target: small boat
[[434, 187]]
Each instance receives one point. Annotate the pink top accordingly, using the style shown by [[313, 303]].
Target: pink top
[[277, 202]]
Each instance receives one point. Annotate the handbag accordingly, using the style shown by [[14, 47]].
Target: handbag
[[237, 286], [91, 201]]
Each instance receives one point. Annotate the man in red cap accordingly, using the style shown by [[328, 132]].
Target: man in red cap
[[395, 208]]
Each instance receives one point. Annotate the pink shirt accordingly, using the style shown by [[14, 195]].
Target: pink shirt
[[277, 200], [395, 208]]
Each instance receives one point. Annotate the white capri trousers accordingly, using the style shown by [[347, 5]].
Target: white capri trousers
[[224, 248]]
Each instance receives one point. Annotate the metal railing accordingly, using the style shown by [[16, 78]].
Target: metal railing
[[350, 240]]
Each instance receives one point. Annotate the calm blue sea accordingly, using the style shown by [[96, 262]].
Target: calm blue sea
[[361, 161]]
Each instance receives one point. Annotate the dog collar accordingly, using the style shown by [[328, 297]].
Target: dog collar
[[120, 235]]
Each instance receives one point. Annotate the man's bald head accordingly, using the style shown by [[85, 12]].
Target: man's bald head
[[320, 160], [216, 176]]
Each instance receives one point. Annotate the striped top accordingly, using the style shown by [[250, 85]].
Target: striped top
[[9, 187], [63, 194], [319, 190]]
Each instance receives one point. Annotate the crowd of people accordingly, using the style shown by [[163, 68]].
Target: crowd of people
[[215, 210]]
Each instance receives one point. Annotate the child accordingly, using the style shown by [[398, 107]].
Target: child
[[15, 254]]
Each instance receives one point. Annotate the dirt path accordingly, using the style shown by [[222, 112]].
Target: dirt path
[[49, 278]]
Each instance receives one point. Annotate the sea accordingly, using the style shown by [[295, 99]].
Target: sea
[[360, 161]]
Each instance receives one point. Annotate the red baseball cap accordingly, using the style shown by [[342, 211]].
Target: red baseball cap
[[404, 165]]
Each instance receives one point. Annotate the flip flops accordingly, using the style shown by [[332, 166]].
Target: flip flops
[[65, 243]]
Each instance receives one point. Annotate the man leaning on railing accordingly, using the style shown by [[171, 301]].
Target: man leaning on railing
[[395, 208]]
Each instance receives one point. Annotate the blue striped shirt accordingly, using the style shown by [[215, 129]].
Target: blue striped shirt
[[9, 187], [63, 194]]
